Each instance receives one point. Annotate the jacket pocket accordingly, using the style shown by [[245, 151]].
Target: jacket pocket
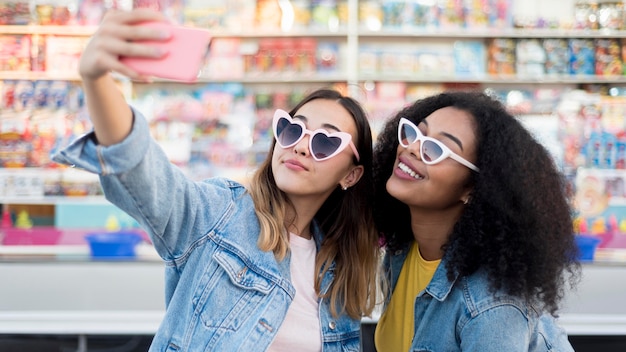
[[230, 293]]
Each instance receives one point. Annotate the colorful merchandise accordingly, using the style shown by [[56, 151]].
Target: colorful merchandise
[[55, 12], [531, 58], [451, 14], [501, 56], [557, 56], [90, 12], [501, 13], [608, 57], [15, 52], [15, 12], [478, 13], [582, 56], [470, 58], [324, 15]]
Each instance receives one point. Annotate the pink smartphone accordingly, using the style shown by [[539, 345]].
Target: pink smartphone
[[187, 48]]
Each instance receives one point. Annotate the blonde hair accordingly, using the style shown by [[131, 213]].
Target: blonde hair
[[350, 239], [351, 244]]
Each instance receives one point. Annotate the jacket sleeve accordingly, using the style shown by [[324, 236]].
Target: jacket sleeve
[[501, 328], [137, 177], [505, 328]]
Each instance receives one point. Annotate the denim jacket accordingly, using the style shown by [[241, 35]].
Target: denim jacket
[[463, 315], [222, 292]]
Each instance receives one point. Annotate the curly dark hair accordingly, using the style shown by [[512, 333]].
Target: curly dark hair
[[518, 224]]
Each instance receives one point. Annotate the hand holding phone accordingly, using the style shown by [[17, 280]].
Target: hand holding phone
[[186, 50]]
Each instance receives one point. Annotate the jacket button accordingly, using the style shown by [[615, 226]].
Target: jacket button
[[332, 325]]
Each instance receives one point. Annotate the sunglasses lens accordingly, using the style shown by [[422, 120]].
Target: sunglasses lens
[[408, 135], [323, 146], [431, 151], [287, 133]]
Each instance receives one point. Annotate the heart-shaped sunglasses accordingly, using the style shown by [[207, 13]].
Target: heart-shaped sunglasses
[[323, 145]]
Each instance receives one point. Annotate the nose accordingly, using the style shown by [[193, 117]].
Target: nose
[[415, 148], [302, 147]]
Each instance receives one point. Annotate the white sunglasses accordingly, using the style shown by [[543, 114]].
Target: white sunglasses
[[432, 151]]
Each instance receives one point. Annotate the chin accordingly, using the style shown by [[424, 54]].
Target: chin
[[393, 188]]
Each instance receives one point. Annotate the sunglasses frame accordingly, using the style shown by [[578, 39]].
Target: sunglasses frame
[[346, 138], [446, 152]]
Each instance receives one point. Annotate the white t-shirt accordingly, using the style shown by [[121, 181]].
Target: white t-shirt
[[301, 329]]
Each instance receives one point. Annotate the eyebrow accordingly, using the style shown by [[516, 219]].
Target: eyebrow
[[448, 135], [324, 125]]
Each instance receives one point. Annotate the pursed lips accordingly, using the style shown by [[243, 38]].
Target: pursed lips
[[294, 164]]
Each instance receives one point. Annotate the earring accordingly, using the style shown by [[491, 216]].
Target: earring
[[345, 188]]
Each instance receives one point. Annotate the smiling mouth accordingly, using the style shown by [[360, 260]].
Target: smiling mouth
[[407, 170]]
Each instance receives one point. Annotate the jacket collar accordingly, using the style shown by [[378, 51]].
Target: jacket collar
[[439, 287]]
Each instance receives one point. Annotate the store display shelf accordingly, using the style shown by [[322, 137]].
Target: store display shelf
[[594, 324], [280, 78], [216, 33], [486, 33], [494, 79], [321, 78], [261, 34], [107, 298], [39, 76], [55, 200], [144, 252], [560, 79], [262, 79], [48, 30], [81, 322], [147, 322], [26, 252]]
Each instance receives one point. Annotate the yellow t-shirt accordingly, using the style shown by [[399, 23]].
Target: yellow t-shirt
[[394, 331]]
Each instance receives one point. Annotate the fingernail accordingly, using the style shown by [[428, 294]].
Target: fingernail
[[160, 51], [143, 79], [164, 34]]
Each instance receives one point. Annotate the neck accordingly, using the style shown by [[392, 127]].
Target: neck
[[298, 219], [431, 230]]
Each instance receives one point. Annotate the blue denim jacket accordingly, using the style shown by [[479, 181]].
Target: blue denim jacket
[[222, 293], [462, 315]]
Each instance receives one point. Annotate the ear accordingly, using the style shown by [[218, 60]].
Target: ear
[[466, 196], [353, 176]]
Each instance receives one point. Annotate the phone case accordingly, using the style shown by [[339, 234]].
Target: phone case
[[186, 48]]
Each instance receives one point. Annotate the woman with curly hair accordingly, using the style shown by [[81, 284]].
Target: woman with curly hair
[[478, 230]]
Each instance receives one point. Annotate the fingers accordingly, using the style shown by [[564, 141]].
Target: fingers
[[118, 44], [132, 17], [120, 34], [125, 23]]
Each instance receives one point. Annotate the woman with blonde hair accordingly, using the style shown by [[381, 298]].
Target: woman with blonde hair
[[286, 264]]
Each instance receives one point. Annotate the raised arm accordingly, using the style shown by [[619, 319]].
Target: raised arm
[[116, 36]]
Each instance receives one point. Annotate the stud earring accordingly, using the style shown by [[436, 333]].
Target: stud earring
[[345, 188]]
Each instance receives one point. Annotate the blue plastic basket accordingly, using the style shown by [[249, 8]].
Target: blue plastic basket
[[113, 245], [586, 247]]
